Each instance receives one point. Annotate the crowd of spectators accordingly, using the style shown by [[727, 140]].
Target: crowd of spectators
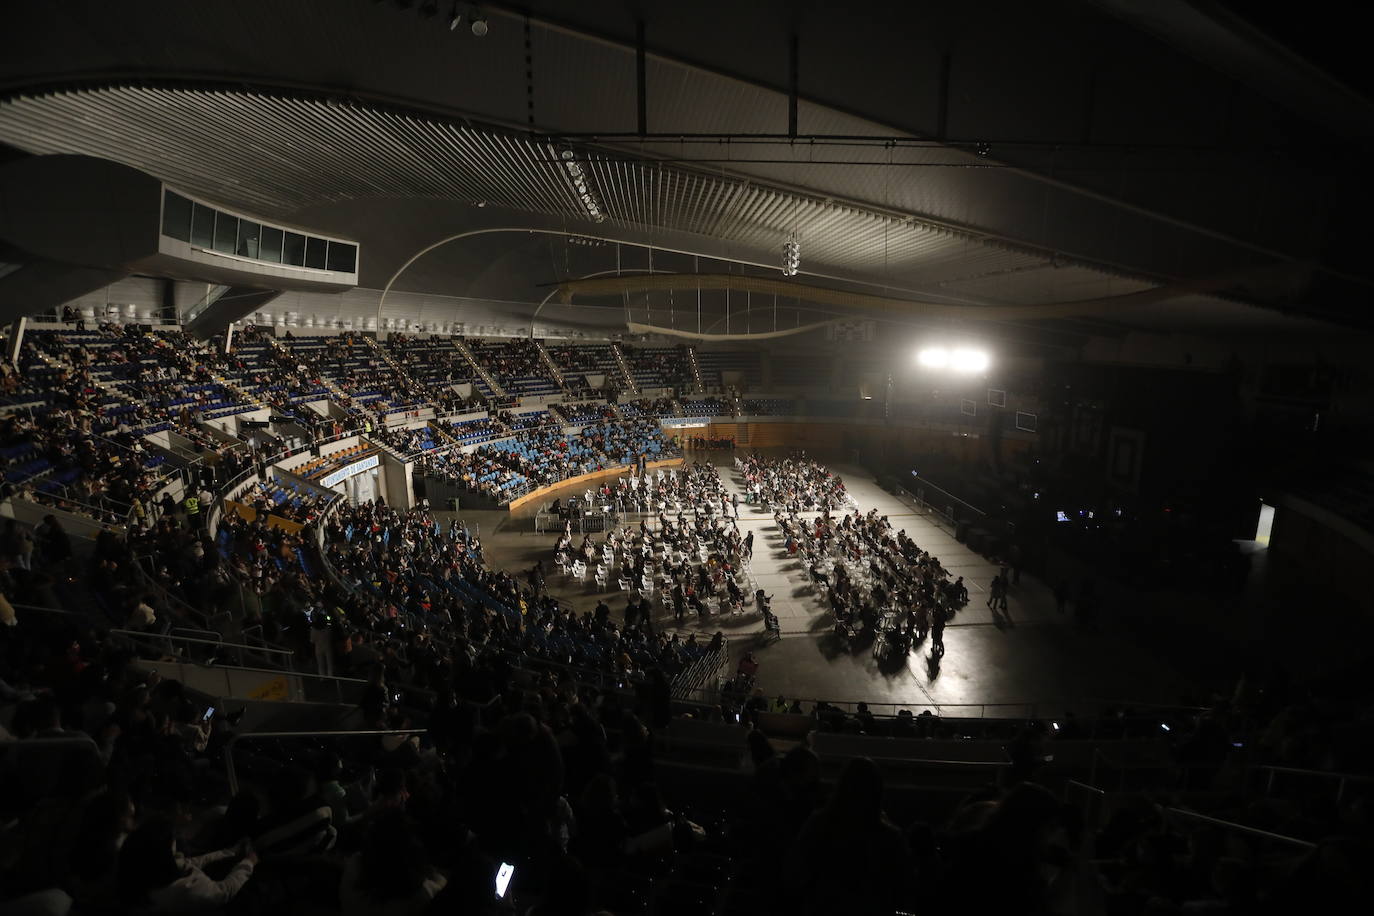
[[647, 407], [141, 818], [578, 414], [366, 380], [82, 447], [796, 484], [568, 781], [658, 367], [543, 455]]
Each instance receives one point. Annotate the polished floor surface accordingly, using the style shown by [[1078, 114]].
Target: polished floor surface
[[1029, 656]]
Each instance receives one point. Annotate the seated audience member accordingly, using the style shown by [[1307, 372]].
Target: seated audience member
[[876, 877], [390, 875], [155, 878]]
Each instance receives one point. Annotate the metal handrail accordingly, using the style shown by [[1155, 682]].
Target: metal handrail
[[217, 643], [1085, 787], [1342, 779], [232, 773], [279, 672], [47, 610], [303, 678], [1236, 828]]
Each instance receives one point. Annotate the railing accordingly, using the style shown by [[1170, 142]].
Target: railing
[[97, 320], [1233, 827], [701, 678], [1340, 779], [307, 687], [63, 612], [171, 643], [179, 605], [949, 509], [232, 771], [123, 512]]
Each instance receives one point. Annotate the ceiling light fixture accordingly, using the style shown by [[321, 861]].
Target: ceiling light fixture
[[479, 24], [791, 257], [581, 183], [455, 17]]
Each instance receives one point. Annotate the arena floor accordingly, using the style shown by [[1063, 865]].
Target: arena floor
[[1029, 656]]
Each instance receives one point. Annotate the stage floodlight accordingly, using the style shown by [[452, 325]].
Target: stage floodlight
[[968, 361], [933, 357]]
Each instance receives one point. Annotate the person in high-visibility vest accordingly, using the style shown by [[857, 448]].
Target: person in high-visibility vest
[[192, 505]]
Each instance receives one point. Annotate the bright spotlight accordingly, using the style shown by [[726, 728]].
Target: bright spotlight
[[968, 360], [933, 357]]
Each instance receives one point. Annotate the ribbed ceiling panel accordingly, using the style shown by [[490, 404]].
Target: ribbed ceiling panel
[[273, 156]]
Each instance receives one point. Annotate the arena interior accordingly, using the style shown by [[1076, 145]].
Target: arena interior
[[700, 459]]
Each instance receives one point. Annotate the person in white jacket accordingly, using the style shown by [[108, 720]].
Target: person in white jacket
[[155, 878]]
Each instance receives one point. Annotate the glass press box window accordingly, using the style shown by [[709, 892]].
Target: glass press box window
[[205, 227]]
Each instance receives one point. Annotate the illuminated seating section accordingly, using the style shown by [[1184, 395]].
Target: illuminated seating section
[[657, 367], [578, 414], [432, 361], [144, 381], [714, 362], [767, 407], [476, 431], [317, 468], [516, 365], [578, 361], [256, 368], [529, 420], [126, 368], [360, 374], [705, 407]]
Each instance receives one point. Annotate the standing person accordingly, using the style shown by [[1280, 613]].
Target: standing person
[[192, 506], [207, 502], [994, 591], [679, 603], [749, 545], [322, 638], [734, 500], [1061, 595], [937, 630]]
